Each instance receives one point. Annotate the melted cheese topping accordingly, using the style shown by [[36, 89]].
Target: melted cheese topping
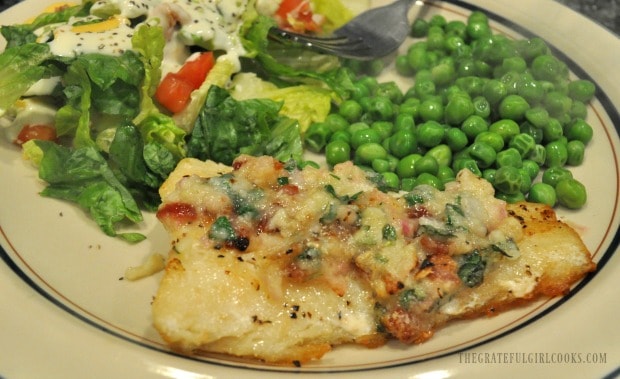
[[335, 234]]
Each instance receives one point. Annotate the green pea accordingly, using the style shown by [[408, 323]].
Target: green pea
[[508, 180], [531, 167], [403, 121], [410, 106], [557, 103], [482, 108], [538, 116], [546, 67], [494, 91], [362, 136], [316, 136], [336, 122], [419, 28], [370, 82], [445, 174], [531, 48], [505, 128], [478, 30], [466, 163], [341, 135], [492, 139], [337, 151], [578, 110], [443, 73], [383, 129], [406, 166], [390, 180], [426, 164], [474, 125], [431, 110], [557, 154], [483, 153], [380, 165], [407, 184], [472, 85], [356, 127], [553, 175], [542, 193], [526, 181], [442, 154], [424, 89], [456, 139], [369, 151], [401, 63], [392, 162], [350, 110], [489, 175], [531, 90], [359, 91], [581, 90], [510, 157], [571, 193], [402, 143], [538, 154], [510, 198], [430, 180], [381, 108], [536, 133], [510, 80], [453, 42], [390, 90], [580, 130], [513, 107], [523, 142], [456, 27], [418, 59], [430, 134], [553, 130], [458, 109], [575, 152]]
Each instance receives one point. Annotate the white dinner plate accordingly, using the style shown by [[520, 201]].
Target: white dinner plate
[[65, 312]]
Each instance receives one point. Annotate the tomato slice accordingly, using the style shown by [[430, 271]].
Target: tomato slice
[[196, 70], [175, 89], [37, 131], [297, 16], [174, 92]]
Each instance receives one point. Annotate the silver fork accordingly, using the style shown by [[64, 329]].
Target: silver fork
[[372, 34]]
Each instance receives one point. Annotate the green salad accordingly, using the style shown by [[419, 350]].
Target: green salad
[[105, 97]]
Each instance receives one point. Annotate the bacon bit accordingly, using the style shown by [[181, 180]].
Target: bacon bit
[[407, 327], [289, 189], [433, 246], [182, 213], [238, 163], [417, 211]]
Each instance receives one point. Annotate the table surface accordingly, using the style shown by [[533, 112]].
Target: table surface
[[605, 12]]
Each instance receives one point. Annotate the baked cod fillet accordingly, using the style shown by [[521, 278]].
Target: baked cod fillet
[[279, 264]]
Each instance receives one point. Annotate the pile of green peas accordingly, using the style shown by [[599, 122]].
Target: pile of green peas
[[504, 109]]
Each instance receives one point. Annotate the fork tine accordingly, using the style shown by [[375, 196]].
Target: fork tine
[[331, 44]]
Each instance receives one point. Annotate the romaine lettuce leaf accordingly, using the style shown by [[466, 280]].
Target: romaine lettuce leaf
[[226, 128], [83, 176], [306, 104], [20, 68]]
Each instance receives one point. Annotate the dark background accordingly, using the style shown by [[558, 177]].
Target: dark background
[[605, 12]]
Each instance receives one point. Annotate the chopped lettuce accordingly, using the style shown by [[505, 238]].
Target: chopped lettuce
[[20, 67], [306, 104], [256, 41], [226, 128], [83, 176]]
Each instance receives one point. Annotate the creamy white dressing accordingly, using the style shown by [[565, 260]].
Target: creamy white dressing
[[68, 43]]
